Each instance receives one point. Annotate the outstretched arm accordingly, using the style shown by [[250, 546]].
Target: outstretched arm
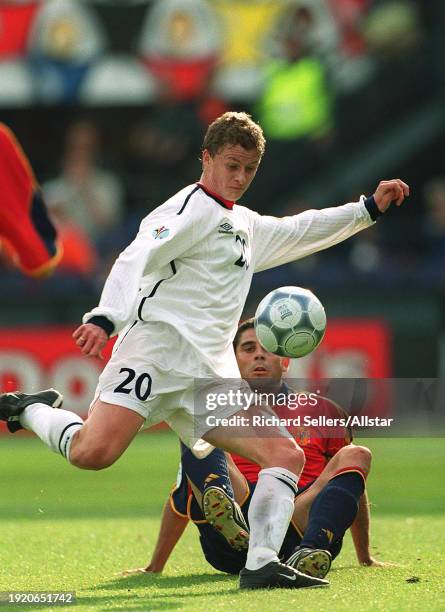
[[279, 241], [170, 532], [360, 531], [171, 529]]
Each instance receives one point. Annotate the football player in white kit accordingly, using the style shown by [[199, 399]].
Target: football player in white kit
[[174, 296]]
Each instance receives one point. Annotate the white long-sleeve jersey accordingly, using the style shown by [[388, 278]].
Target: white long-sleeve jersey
[[192, 261]]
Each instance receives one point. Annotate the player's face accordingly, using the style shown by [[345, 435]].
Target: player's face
[[230, 171], [255, 362]]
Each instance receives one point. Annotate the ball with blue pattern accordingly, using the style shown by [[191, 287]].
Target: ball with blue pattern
[[290, 322]]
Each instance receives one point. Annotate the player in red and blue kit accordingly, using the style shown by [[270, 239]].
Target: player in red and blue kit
[[331, 497], [27, 234]]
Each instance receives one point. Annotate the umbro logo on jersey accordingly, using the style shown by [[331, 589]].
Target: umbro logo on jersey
[[225, 228], [161, 232]]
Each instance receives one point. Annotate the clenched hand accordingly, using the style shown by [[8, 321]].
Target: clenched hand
[[91, 339], [394, 190]]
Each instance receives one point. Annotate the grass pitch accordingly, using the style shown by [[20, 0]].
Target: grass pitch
[[67, 530]]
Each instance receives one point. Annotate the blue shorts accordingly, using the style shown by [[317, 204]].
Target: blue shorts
[[221, 555], [215, 547], [224, 558]]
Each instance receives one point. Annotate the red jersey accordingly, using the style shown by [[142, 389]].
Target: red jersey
[[26, 231], [319, 429]]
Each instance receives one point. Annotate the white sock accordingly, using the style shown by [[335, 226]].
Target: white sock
[[270, 512], [54, 427]]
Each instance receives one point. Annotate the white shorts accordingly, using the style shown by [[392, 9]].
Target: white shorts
[[158, 374]]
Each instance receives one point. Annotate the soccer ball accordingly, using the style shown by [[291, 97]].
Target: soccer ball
[[290, 322]]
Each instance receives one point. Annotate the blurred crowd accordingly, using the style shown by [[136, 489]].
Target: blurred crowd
[[137, 81]]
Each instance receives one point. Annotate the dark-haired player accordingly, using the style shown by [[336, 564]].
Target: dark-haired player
[[331, 499]]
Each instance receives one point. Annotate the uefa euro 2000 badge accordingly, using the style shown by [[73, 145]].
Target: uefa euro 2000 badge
[[160, 232]]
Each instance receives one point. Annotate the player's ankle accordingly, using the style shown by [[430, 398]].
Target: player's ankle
[[259, 556]]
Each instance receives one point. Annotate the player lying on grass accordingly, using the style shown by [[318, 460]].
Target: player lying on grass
[[331, 496], [175, 296]]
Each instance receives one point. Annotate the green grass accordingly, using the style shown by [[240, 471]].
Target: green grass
[[63, 529]]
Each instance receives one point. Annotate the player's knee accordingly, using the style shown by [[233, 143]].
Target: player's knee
[[288, 455], [90, 457], [360, 455], [298, 458]]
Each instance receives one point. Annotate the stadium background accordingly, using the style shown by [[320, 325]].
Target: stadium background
[[111, 99]]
